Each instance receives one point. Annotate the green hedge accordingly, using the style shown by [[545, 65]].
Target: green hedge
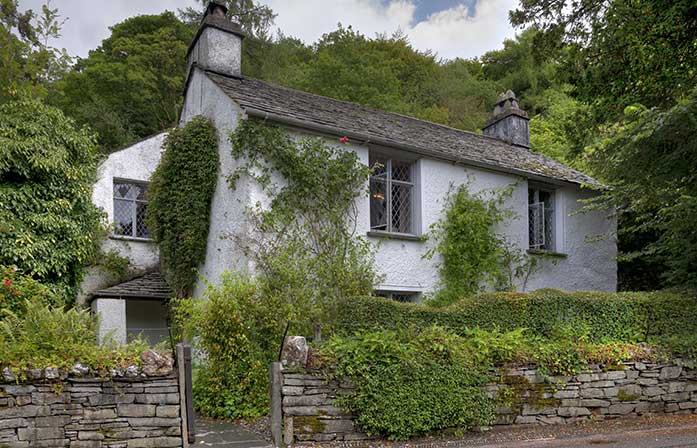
[[632, 317]]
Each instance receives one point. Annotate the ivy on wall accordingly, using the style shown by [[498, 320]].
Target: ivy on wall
[[48, 224], [305, 243], [180, 197]]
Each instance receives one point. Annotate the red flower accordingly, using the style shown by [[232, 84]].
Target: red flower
[[8, 282], [344, 140]]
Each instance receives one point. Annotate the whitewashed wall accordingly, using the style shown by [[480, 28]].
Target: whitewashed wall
[[587, 266], [137, 162]]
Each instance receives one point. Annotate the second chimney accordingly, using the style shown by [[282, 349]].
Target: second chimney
[[217, 45], [509, 123]]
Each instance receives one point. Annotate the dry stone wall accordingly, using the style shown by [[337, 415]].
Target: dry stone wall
[[525, 396], [80, 412]]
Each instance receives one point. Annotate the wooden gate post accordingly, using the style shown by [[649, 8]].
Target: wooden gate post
[[186, 396], [276, 382]]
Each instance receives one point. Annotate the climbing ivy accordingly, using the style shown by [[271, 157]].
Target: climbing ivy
[[48, 224], [180, 196], [305, 242], [473, 255]]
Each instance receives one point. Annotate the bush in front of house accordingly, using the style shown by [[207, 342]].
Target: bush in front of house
[[17, 290], [43, 336], [418, 380], [628, 317]]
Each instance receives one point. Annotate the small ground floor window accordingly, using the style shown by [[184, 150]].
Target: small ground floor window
[[399, 296]]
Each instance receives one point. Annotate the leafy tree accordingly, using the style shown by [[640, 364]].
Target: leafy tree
[[254, 18], [27, 62], [650, 160], [130, 86], [48, 223], [626, 51]]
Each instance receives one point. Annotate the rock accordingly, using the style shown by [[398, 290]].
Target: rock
[[670, 372], [294, 352], [592, 393], [8, 376], [157, 364], [51, 373], [621, 408], [566, 394], [79, 370], [132, 371], [594, 403], [573, 412]]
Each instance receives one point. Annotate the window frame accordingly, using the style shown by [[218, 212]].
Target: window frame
[[390, 293], [554, 232], [134, 209], [388, 181]]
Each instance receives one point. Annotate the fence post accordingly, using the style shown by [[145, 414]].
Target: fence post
[[276, 381], [186, 396]]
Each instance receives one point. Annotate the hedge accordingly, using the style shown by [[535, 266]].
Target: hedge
[[632, 317]]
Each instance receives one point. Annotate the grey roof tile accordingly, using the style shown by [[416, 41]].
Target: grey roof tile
[[149, 286], [386, 128]]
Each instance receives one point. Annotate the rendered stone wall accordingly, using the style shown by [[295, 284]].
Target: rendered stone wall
[[526, 397], [91, 412]]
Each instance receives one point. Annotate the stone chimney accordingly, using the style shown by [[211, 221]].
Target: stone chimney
[[509, 122], [217, 45]]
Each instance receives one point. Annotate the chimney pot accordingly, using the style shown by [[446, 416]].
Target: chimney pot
[[509, 122], [217, 45]]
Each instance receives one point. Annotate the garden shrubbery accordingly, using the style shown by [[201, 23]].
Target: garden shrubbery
[[629, 317], [44, 336]]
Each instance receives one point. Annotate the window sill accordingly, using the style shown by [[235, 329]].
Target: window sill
[[394, 236], [131, 238], [548, 253]]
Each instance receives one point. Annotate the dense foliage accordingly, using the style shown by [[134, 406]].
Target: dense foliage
[[48, 224], [17, 290], [650, 160], [48, 336], [631, 317], [305, 243], [423, 378], [472, 255], [239, 329], [130, 86], [410, 383], [180, 196]]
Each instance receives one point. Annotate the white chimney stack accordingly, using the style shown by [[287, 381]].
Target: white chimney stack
[[217, 45]]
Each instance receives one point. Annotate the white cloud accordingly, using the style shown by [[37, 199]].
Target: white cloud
[[450, 33]]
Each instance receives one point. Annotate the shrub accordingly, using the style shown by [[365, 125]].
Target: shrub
[[48, 224], [48, 336], [17, 290], [180, 197], [239, 332], [628, 317], [410, 383]]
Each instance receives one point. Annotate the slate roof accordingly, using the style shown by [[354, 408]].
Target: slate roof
[[366, 124], [149, 286]]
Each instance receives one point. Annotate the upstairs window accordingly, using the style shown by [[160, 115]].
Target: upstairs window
[[129, 209], [391, 195], [541, 218]]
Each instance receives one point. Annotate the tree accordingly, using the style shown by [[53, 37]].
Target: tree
[[130, 86], [625, 51], [254, 18], [48, 224], [650, 161], [27, 62]]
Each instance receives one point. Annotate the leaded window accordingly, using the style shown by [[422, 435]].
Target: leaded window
[[399, 296], [541, 218], [130, 206], [391, 195]]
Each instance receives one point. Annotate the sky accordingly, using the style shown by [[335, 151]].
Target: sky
[[450, 28]]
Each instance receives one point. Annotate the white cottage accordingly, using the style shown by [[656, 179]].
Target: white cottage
[[423, 160]]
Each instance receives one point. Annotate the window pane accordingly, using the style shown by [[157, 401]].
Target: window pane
[[379, 166], [401, 208], [125, 190], [378, 205], [123, 217], [549, 228], [536, 225], [141, 228], [140, 190], [401, 171]]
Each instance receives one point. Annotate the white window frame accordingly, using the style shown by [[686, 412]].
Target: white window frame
[[134, 209], [545, 246], [388, 181]]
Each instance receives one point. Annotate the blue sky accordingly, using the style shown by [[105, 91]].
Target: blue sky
[[451, 28]]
